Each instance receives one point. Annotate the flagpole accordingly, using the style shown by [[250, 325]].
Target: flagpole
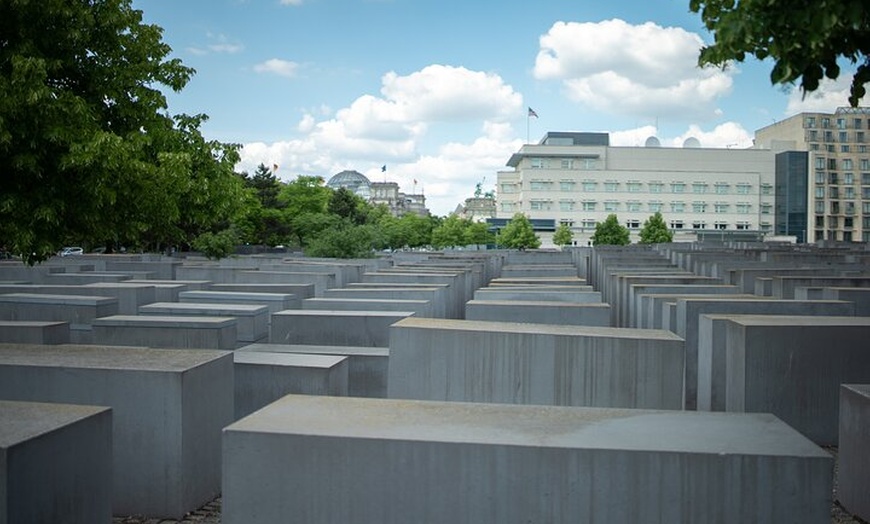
[[528, 117]]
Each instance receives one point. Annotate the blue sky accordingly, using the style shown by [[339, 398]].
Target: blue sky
[[438, 91]]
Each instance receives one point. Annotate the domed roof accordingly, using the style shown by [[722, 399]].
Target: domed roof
[[353, 181]]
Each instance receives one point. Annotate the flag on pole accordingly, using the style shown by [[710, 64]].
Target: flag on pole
[[274, 167], [532, 113], [384, 168]]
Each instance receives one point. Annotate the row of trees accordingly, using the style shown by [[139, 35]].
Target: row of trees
[[611, 232]]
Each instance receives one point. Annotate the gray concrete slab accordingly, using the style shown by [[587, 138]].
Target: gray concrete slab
[[274, 301], [303, 291], [539, 312], [689, 310], [436, 295], [560, 294], [334, 328], [421, 308], [859, 296], [55, 463], [337, 460], [263, 377], [853, 484], [74, 309], [34, 332], [168, 410], [476, 361], [252, 320], [792, 366], [367, 366], [166, 331]]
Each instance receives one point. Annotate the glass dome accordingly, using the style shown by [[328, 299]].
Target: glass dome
[[352, 181]]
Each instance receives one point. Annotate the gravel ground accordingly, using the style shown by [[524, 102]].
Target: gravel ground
[[211, 512]]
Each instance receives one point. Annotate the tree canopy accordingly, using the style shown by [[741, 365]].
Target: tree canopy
[[88, 150], [804, 39], [610, 232], [519, 234], [563, 235], [655, 231]]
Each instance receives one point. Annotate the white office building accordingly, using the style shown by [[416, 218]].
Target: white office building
[[579, 179]]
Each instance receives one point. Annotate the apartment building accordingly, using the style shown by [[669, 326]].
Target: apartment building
[[578, 179], [836, 173]]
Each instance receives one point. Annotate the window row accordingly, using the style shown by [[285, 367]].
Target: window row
[[824, 122], [741, 208], [847, 192], [564, 163], [588, 186]]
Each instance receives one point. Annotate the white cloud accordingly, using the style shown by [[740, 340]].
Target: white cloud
[[726, 135], [830, 95], [278, 67], [642, 70], [390, 129], [225, 47]]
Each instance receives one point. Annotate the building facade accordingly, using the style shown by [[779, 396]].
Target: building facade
[[837, 170], [578, 179], [376, 193]]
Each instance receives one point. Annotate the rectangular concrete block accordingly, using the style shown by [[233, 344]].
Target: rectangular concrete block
[[366, 371], [334, 328], [252, 321], [180, 332], [168, 410], [302, 291], [263, 377], [792, 366], [274, 301], [34, 332], [561, 313], [853, 490], [421, 308], [74, 309], [55, 463], [335, 460], [515, 363], [689, 310], [535, 294]]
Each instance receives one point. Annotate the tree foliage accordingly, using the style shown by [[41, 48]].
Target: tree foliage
[[610, 232], [655, 231], [804, 39], [519, 234], [451, 232], [563, 235], [88, 151]]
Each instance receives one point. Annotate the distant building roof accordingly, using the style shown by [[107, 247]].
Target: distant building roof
[[352, 181]]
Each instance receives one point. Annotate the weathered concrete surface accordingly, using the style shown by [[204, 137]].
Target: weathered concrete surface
[[74, 309], [367, 366], [168, 410], [853, 490], [336, 460], [34, 332], [166, 331], [792, 366], [55, 463], [274, 301], [252, 320], [263, 377], [334, 328], [421, 308], [476, 361], [560, 313]]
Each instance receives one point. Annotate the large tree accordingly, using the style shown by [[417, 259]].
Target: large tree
[[804, 39], [610, 232], [655, 231], [88, 150], [519, 234]]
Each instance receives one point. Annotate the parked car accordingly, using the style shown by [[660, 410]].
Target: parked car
[[71, 251]]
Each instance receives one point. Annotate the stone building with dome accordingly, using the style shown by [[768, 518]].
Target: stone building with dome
[[376, 193]]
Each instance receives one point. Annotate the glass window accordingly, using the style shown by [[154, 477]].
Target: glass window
[[820, 177], [820, 207], [720, 208], [720, 225], [654, 207], [699, 187], [859, 136], [743, 188], [676, 224], [832, 164], [699, 225], [849, 178], [841, 123], [742, 225], [820, 192], [766, 189], [810, 121], [611, 187], [865, 179], [566, 185], [539, 185], [632, 223], [857, 123], [588, 223], [611, 206], [537, 163], [589, 206], [847, 164], [677, 207], [635, 187], [567, 163], [765, 209], [743, 209], [678, 187], [508, 188], [590, 186], [699, 207], [865, 193], [826, 122], [539, 205], [566, 205], [634, 207], [844, 148], [507, 206], [843, 136], [655, 187], [722, 188], [865, 164], [820, 162]]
